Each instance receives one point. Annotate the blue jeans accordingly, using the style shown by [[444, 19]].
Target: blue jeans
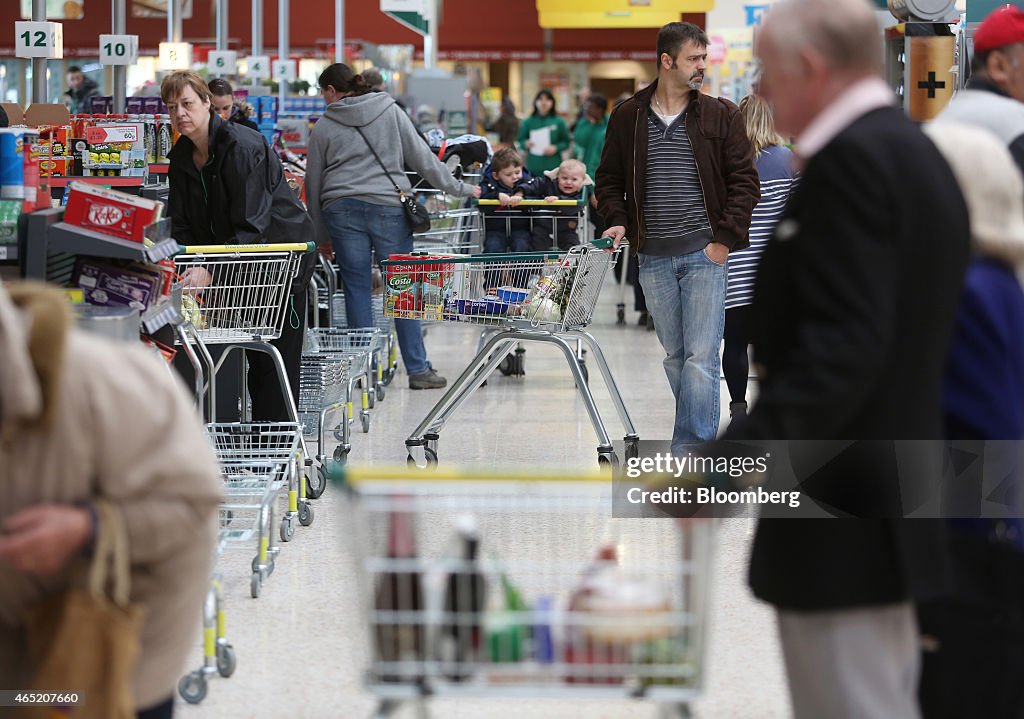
[[686, 298], [355, 228]]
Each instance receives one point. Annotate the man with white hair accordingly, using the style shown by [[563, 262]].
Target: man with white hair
[[853, 310]]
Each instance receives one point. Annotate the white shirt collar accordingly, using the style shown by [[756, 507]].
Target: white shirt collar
[[853, 103]]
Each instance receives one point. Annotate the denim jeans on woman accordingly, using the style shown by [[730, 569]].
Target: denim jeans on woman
[[686, 299], [356, 228]]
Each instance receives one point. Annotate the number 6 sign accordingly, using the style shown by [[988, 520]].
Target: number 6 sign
[[222, 62]]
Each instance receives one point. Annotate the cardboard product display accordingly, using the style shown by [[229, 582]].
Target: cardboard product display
[[15, 113], [116, 150], [39, 114], [109, 284], [110, 212]]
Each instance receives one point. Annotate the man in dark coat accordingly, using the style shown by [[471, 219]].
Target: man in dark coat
[[853, 310]]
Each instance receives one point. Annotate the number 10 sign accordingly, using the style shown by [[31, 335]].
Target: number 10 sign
[[119, 49]]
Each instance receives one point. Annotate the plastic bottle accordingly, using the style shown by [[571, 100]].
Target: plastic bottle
[[461, 636], [400, 639]]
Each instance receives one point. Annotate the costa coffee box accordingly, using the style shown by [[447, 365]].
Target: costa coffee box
[[113, 213], [404, 286], [110, 284]]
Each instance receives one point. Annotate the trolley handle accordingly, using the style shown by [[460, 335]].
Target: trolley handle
[[303, 247], [533, 203]]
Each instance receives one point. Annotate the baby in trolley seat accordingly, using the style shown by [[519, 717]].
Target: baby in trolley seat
[[568, 182]]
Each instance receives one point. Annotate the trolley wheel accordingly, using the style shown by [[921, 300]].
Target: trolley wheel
[[380, 391], [316, 483], [226, 660], [192, 687], [632, 448], [429, 453], [389, 374], [256, 564], [341, 454], [255, 585], [287, 529], [339, 433], [364, 419], [508, 365], [608, 460], [306, 515], [620, 315], [372, 397]]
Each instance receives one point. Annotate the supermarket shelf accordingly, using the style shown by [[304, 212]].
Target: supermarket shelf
[[62, 237], [159, 168], [110, 181]]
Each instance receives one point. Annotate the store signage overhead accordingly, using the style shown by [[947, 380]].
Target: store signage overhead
[[257, 67], [222, 62], [39, 39], [119, 49], [175, 56], [414, 14]]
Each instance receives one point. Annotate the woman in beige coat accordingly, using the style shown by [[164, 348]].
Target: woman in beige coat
[[81, 418]]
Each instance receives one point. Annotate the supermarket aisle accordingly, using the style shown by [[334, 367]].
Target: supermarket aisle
[[301, 647]]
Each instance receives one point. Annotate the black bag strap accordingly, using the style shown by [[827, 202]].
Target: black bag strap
[[380, 162]]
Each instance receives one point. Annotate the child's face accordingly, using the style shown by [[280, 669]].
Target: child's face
[[510, 175], [570, 181]]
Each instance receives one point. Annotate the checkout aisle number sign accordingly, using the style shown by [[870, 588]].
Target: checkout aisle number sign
[[222, 62], [284, 70], [39, 39], [258, 67], [175, 56], [119, 49]]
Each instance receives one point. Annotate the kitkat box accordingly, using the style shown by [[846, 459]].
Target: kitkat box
[[113, 213]]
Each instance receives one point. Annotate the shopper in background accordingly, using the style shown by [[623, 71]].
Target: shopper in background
[[853, 286], [774, 162], [80, 90], [374, 79], [507, 124], [973, 657], [543, 136], [588, 139], [230, 109], [355, 207], [994, 96], [227, 187], [678, 172], [94, 420]]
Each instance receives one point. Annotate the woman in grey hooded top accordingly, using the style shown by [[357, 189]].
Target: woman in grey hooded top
[[354, 204]]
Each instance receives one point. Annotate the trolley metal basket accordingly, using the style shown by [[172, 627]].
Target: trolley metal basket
[[238, 293], [277, 443], [325, 388], [385, 370], [364, 348], [537, 297], [554, 599], [555, 225]]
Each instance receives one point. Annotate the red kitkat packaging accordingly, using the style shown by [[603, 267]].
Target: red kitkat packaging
[[110, 212]]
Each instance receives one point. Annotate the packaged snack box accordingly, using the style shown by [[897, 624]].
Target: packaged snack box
[[113, 213]]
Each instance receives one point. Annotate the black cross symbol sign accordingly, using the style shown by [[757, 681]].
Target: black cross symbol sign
[[932, 85]]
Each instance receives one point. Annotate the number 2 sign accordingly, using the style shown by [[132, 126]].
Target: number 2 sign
[[39, 39]]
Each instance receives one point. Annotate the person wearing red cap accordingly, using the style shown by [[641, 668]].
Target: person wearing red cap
[[994, 96]]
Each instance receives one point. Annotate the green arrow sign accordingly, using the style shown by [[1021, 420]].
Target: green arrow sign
[[412, 20]]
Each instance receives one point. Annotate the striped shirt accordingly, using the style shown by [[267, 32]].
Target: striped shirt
[[775, 167], [675, 218]]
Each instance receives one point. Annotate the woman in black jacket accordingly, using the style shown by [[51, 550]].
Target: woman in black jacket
[[227, 187]]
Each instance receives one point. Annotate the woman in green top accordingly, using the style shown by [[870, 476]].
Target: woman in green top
[[543, 136]]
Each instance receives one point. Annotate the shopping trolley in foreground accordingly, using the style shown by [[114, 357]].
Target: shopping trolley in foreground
[[533, 297], [526, 587]]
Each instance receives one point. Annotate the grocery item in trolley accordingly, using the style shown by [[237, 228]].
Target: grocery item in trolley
[[529, 599], [540, 289]]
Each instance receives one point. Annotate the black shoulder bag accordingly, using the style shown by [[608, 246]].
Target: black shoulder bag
[[415, 213]]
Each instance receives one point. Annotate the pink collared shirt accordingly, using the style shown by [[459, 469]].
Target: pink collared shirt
[[856, 101]]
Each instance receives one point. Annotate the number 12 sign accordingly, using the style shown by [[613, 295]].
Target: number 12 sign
[[119, 49], [39, 39]]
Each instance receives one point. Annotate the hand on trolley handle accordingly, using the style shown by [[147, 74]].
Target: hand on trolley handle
[[617, 234]]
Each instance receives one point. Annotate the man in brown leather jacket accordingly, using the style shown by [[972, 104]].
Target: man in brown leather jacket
[[677, 179]]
